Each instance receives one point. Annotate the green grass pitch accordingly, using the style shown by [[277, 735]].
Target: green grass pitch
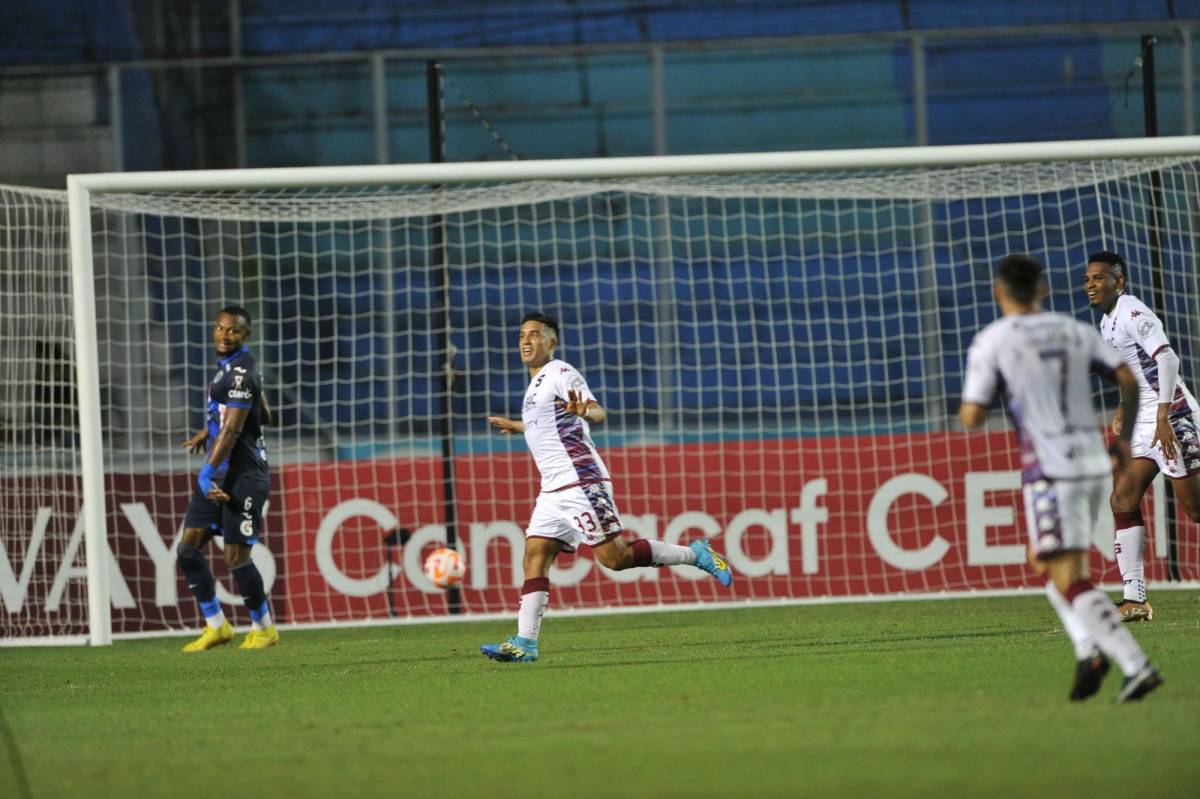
[[961, 698]]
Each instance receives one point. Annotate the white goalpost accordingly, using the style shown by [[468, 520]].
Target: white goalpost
[[779, 340]]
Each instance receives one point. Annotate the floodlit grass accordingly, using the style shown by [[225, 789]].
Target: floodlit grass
[[963, 698]]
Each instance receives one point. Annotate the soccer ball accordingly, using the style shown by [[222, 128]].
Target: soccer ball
[[445, 568]]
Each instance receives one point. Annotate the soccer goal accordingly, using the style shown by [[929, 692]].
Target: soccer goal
[[778, 338]]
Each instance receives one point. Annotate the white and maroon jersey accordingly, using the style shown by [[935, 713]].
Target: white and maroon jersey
[[1133, 330], [560, 442], [1041, 363]]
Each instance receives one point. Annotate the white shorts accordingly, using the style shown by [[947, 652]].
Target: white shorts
[[579, 515], [1060, 514], [1187, 433]]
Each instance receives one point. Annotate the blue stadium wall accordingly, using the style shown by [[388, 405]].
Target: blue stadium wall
[[752, 99]]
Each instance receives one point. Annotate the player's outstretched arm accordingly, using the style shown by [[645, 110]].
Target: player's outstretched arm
[[506, 426], [196, 443], [972, 415], [588, 409]]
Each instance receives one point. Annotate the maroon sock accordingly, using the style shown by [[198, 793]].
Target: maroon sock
[[643, 555], [535, 584]]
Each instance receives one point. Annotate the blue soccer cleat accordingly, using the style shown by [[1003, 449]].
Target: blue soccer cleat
[[711, 562], [514, 650]]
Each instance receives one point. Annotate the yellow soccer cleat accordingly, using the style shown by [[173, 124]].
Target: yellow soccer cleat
[[260, 639], [211, 637]]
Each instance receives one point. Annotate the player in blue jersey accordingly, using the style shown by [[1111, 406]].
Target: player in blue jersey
[[231, 489], [1041, 363], [576, 506]]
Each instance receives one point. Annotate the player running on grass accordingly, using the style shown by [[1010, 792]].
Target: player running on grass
[[1041, 362], [231, 489], [576, 504], [1166, 429]]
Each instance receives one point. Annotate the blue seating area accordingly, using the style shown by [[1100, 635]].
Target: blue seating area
[[753, 324]]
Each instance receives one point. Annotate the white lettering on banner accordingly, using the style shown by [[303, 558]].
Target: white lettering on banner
[[13, 590], [775, 523], [692, 520], [877, 522], [323, 547], [981, 516], [118, 590], [483, 534], [643, 526], [573, 575], [162, 556], [808, 516]]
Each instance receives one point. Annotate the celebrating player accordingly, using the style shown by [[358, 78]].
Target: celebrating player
[[1165, 431], [1041, 363], [576, 504], [231, 489]]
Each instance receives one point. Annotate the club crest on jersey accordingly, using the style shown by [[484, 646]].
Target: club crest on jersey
[[1145, 327]]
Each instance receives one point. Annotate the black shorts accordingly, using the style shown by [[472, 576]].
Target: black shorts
[[239, 520]]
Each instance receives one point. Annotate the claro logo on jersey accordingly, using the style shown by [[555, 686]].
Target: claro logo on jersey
[[238, 391]]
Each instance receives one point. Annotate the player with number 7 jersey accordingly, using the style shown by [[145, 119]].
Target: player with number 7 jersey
[[576, 506], [1041, 363]]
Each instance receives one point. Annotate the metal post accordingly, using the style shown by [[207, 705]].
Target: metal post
[[1150, 115], [441, 272], [1187, 82], [379, 107], [239, 100], [920, 94], [658, 100], [91, 443], [114, 118]]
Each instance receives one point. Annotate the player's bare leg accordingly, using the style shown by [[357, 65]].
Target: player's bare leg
[[535, 596], [618, 555], [1129, 540], [1095, 615]]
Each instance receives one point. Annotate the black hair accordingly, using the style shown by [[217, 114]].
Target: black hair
[[548, 321], [1116, 264], [1021, 276], [236, 310]]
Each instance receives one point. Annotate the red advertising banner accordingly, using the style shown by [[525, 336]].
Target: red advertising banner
[[796, 518]]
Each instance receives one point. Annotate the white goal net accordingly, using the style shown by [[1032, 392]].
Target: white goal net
[[780, 354]]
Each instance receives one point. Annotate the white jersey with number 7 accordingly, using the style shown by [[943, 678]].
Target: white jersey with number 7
[[1042, 364]]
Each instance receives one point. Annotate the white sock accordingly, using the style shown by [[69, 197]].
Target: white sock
[[216, 620], [264, 621], [664, 554], [529, 618], [1129, 545], [1085, 647], [1098, 617]]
